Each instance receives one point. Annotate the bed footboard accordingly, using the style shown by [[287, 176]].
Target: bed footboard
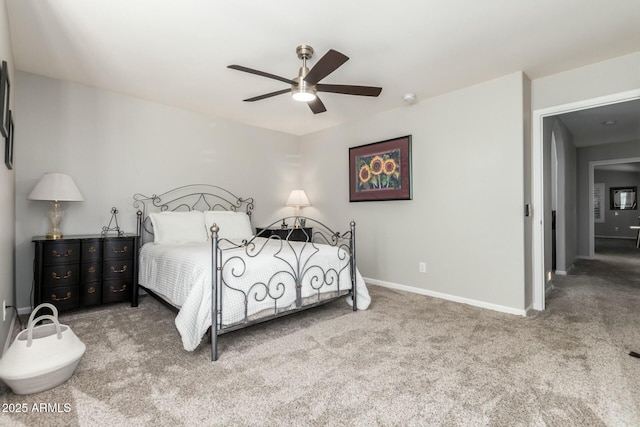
[[300, 275]]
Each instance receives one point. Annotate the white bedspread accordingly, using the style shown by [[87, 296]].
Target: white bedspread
[[181, 274]]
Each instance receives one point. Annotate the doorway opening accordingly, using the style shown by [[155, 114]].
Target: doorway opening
[[541, 192], [609, 223]]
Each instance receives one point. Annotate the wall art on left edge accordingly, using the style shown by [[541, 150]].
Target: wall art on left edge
[[4, 99], [381, 171], [8, 144]]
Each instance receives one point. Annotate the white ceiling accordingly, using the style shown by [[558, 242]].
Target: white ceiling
[[176, 52], [607, 124]]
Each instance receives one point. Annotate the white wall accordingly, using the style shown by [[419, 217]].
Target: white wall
[[604, 78], [466, 217], [528, 220], [7, 201], [115, 146]]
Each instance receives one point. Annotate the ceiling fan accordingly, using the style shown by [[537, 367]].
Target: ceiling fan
[[305, 86]]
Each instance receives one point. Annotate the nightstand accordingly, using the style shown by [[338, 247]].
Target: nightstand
[[292, 234], [81, 271]]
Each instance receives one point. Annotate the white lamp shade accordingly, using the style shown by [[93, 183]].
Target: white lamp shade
[[298, 198], [56, 187]]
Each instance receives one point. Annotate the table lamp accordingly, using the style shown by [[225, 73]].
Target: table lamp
[[298, 199], [56, 188]]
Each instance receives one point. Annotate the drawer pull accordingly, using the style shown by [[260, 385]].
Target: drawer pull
[[91, 290], [92, 250], [122, 289], [55, 276], [92, 269], [56, 254], [124, 268], [54, 297], [125, 248]]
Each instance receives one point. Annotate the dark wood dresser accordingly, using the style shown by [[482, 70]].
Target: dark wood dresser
[[81, 271], [293, 234]]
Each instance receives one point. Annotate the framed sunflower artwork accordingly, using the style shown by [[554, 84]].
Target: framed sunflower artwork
[[380, 170], [4, 99]]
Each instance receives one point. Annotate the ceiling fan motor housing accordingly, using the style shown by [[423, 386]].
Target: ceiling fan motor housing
[[302, 91]]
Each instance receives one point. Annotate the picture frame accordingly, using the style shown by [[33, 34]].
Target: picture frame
[[381, 170], [5, 87], [8, 144], [623, 198]]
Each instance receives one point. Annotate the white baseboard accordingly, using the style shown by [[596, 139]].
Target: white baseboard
[[565, 272], [468, 301]]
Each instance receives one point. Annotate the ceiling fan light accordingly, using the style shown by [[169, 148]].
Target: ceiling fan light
[[303, 95]]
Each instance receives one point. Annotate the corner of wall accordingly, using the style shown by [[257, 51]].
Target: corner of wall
[[7, 193]]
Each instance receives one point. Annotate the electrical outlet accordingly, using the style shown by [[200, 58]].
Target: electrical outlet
[[4, 310], [422, 267]]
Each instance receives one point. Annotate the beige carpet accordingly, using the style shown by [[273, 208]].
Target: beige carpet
[[408, 360]]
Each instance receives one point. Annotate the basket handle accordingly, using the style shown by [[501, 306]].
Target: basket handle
[[43, 317], [40, 307]]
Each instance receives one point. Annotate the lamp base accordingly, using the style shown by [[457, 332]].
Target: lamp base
[[55, 216]]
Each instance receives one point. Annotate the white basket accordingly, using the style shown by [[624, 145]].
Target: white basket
[[41, 357]]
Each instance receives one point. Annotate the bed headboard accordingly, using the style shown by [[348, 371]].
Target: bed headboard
[[194, 197]]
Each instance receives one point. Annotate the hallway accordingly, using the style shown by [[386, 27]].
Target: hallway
[[604, 292]]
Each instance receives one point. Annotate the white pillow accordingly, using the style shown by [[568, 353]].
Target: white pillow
[[233, 225], [178, 227]]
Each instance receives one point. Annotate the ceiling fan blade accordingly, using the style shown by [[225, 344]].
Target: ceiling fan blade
[[350, 90], [261, 73], [325, 66], [267, 95], [317, 106]]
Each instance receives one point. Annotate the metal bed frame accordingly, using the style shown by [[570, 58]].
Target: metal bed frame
[[206, 197]]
